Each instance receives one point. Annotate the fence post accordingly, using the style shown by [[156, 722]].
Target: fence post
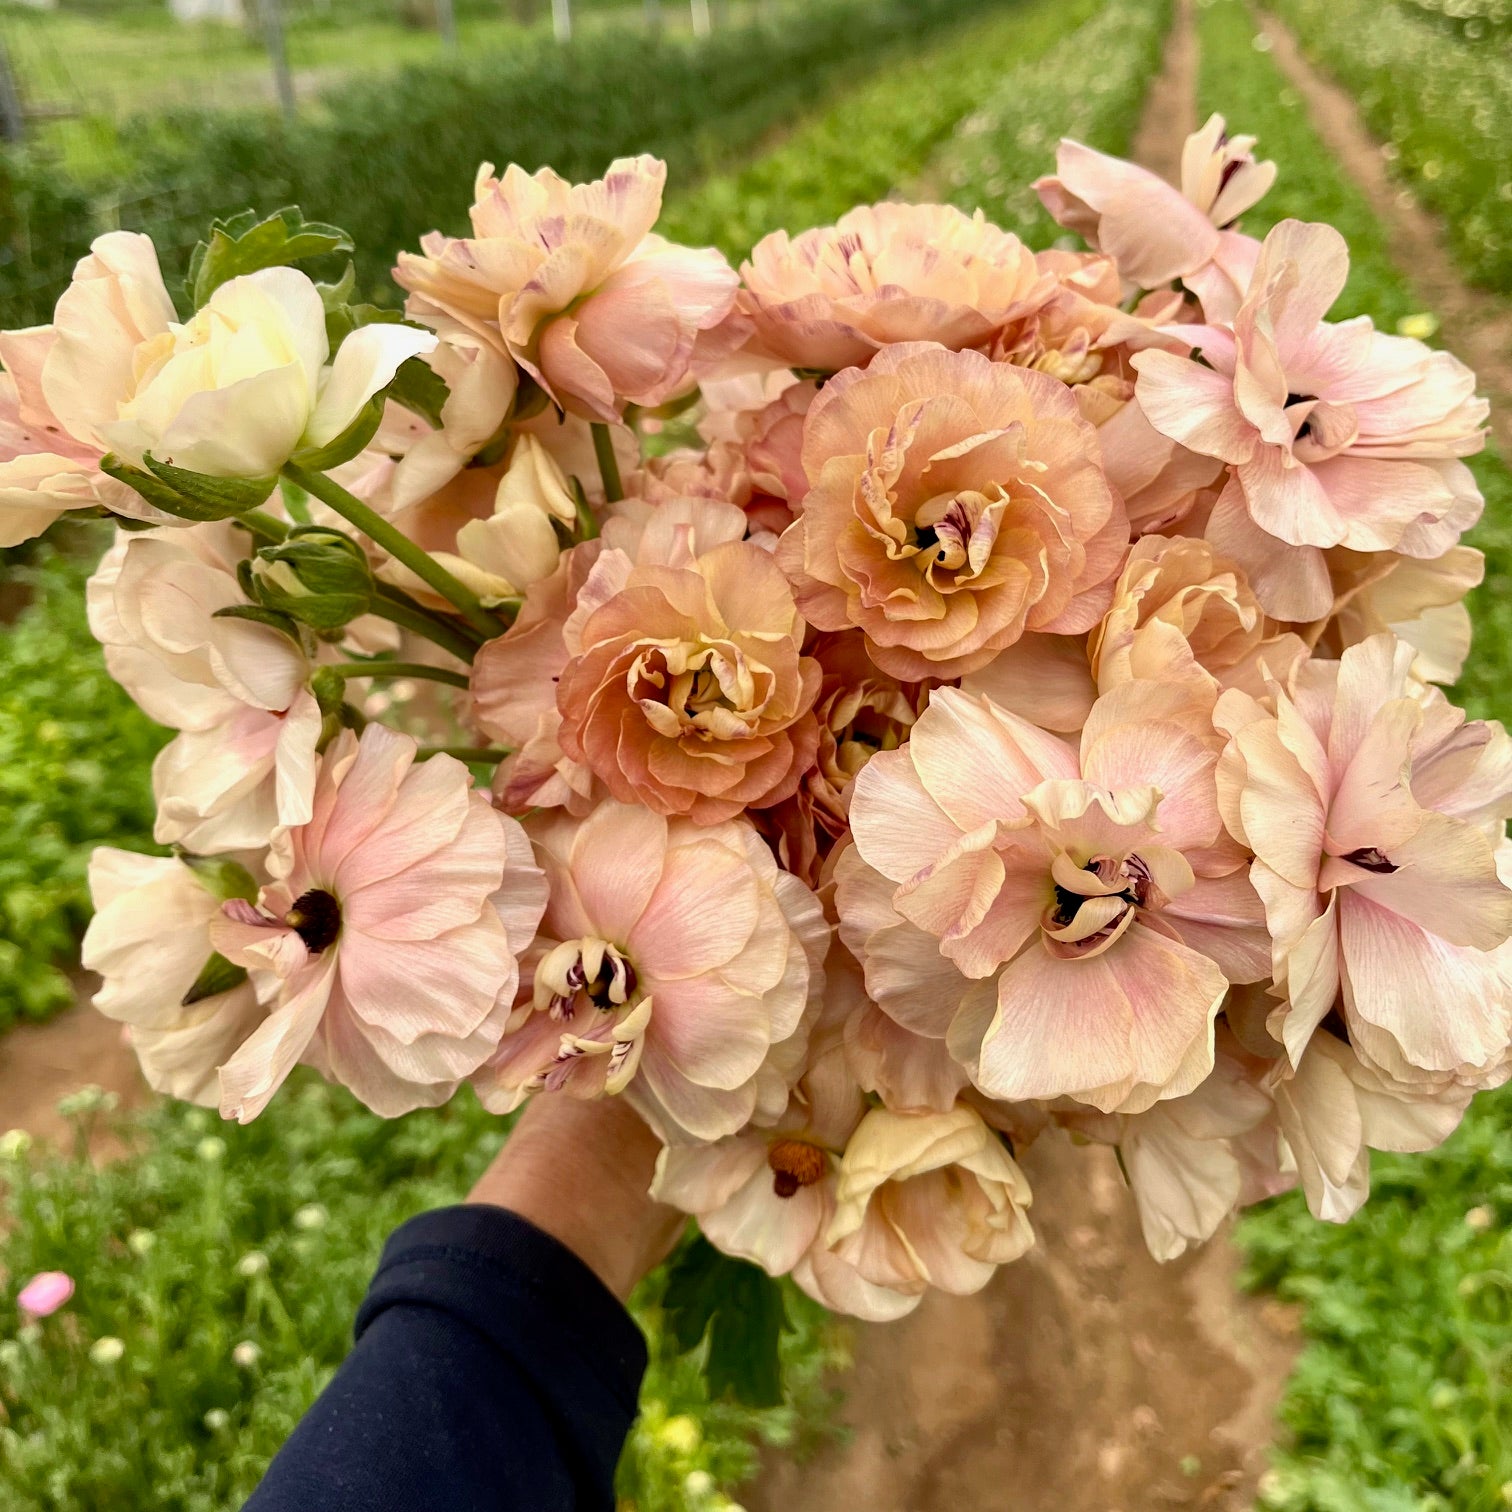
[[653, 15], [12, 122], [446, 24], [700, 9], [278, 54], [561, 20]]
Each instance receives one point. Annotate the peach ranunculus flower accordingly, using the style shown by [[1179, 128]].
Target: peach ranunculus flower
[[1069, 923], [833, 297], [954, 504], [1338, 435], [393, 922], [1373, 808], [234, 391], [572, 283], [672, 961], [149, 940], [1155, 232], [45, 472], [921, 1200], [1180, 613], [686, 689], [237, 691]]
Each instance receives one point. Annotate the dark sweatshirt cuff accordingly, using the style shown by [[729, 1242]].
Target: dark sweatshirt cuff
[[523, 1290]]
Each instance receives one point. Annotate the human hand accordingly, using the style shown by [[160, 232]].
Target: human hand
[[580, 1170]]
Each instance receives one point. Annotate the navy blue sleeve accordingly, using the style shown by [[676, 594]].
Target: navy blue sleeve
[[493, 1372]]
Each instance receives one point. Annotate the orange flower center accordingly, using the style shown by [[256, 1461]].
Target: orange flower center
[[794, 1164]]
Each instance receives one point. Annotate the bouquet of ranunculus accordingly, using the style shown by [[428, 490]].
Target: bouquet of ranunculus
[[866, 710]]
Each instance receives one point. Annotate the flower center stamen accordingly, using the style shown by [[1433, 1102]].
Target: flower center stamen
[[316, 919], [794, 1164]]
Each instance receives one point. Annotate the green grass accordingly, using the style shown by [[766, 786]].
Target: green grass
[[1398, 1403], [1442, 103], [209, 1236], [877, 137], [1090, 84], [74, 758]]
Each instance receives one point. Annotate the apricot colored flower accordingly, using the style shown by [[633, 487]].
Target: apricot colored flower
[[833, 297], [1068, 923], [686, 689], [150, 941], [1373, 807], [237, 691], [954, 504], [1155, 232], [672, 961], [393, 922], [924, 1199], [1338, 435], [572, 283]]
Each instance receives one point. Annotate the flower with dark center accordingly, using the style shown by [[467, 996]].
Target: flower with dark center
[[1368, 858], [794, 1163], [316, 919]]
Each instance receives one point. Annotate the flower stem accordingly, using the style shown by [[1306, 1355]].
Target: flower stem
[[608, 463], [488, 754], [399, 669], [433, 628], [261, 523], [398, 545]]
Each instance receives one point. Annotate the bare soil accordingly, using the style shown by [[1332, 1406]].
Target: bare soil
[[1476, 325]]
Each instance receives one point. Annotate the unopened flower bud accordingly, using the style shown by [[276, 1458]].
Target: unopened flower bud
[[246, 1355], [14, 1143], [312, 1216], [106, 1351], [319, 576]]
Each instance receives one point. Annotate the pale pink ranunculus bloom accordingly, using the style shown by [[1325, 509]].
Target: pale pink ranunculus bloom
[[571, 282], [1373, 808], [234, 391], [833, 297], [393, 921], [1155, 232], [237, 691], [1067, 921], [921, 1200], [673, 960], [44, 471], [1180, 613], [954, 504], [1337, 434], [45, 1293], [149, 940]]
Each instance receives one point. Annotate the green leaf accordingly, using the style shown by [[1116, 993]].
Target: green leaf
[[260, 616], [344, 447], [342, 319], [420, 388], [244, 243], [221, 876], [217, 976], [214, 498], [740, 1310]]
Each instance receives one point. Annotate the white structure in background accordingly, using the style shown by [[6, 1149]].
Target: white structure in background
[[561, 19], [228, 12], [700, 17]]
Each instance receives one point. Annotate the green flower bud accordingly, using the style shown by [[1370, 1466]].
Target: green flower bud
[[318, 575]]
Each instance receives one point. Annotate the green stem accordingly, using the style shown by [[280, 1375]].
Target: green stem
[[399, 669], [397, 544], [608, 463], [261, 523], [488, 754], [434, 630]]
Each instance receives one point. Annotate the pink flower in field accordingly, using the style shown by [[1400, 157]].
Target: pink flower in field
[[1373, 808], [1155, 232], [954, 504], [44, 1294], [394, 922], [571, 282], [673, 960], [1337, 435], [237, 691], [1067, 922], [833, 297], [149, 940]]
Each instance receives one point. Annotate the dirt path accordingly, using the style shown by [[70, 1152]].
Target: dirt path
[[1170, 110], [1086, 1378], [39, 1063], [1476, 325]]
